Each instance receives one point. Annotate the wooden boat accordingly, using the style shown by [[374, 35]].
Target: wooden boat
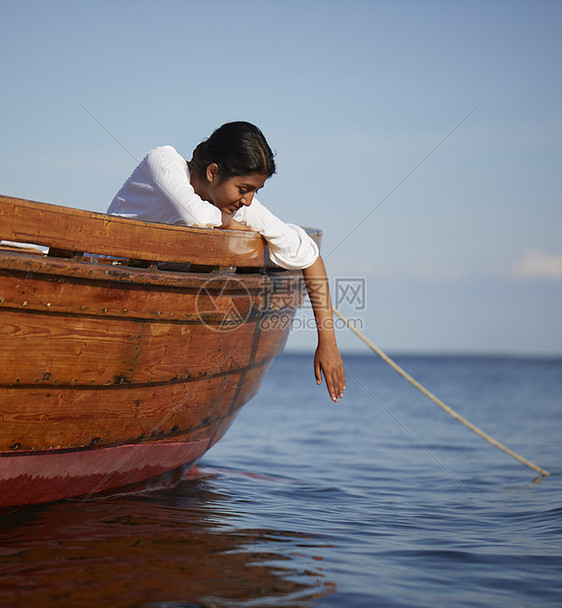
[[127, 348]]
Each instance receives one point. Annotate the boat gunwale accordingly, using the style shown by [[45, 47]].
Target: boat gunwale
[[70, 232]]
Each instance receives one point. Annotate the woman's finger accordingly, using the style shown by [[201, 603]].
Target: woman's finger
[[317, 372]]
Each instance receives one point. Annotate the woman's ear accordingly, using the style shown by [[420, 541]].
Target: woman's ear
[[212, 172]]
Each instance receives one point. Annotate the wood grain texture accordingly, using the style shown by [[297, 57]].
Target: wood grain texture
[[99, 357], [35, 419], [75, 230], [87, 360]]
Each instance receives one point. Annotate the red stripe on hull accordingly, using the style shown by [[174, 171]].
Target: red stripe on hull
[[45, 477]]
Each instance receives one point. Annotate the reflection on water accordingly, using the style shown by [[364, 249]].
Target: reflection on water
[[169, 547], [316, 496]]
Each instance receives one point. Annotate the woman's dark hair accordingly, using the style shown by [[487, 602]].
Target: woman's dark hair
[[238, 148]]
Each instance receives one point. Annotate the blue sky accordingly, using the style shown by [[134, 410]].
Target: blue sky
[[464, 256]]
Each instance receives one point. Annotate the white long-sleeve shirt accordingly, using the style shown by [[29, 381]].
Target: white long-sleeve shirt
[[159, 190]]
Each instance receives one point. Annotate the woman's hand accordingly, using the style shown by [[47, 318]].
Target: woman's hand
[[327, 361], [230, 224]]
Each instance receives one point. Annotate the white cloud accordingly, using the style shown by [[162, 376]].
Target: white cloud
[[535, 264]]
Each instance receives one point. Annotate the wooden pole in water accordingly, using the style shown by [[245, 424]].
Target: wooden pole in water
[[440, 403]]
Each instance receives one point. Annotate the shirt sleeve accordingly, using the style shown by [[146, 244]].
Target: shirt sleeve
[[289, 245], [159, 190], [173, 180]]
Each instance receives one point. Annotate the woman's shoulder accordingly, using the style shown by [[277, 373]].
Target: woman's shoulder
[[164, 158], [163, 152]]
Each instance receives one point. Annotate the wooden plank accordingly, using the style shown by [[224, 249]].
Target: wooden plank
[[195, 300], [250, 384], [67, 351], [62, 418], [274, 331], [177, 351], [70, 229], [39, 419], [62, 350]]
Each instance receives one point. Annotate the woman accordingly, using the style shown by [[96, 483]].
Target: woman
[[216, 188]]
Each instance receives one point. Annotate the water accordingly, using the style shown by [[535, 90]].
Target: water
[[380, 500]]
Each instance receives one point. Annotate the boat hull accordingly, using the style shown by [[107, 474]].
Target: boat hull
[[112, 374]]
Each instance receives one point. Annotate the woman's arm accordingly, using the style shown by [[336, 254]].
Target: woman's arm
[[327, 359], [291, 248]]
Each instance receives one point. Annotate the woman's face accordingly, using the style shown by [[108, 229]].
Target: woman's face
[[231, 193]]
